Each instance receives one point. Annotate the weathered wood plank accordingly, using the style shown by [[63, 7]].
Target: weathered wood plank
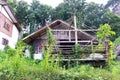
[[74, 30], [78, 59]]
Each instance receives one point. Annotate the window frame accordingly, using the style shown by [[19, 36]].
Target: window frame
[[5, 41], [7, 26]]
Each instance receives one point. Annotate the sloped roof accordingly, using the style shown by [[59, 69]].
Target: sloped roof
[[37, 33], [10, 13]]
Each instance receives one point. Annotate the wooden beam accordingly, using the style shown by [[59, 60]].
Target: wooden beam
[[85, 41], [75, 30], [90, 30], [79, 60]]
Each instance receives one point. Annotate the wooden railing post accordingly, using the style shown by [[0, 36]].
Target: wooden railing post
[[75, 25], [69, 35], [91, 46]]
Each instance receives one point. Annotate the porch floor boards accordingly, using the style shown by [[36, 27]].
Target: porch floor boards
[[80, 59]]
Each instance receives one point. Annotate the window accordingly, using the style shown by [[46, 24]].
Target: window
[[7, 26], [39, 50], [4, 41]]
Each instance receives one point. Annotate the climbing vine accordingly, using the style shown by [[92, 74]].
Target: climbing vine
[[103, 35], [104, 32], [50, 38]]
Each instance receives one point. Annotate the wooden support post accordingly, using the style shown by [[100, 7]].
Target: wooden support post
[[69, 35], [75, 25], [91, 46], [106, 44]]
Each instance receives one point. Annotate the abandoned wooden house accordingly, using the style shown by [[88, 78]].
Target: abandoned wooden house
[[66, 37]]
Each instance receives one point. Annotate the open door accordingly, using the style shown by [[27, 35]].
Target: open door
[[38, 54]]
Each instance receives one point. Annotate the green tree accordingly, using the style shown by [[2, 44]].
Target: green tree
[[114, 21], [34, 14], [13, 4], [38, 14], [22, 12], [61, 12], [90, 14], [66, 10], [104, 33], [93, 15]]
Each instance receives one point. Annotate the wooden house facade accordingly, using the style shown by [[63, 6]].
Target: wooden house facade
[[66, 38]]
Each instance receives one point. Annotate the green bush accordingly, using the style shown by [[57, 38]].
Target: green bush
[[116, 44], [28, 69], [15, 66], [78, 51]]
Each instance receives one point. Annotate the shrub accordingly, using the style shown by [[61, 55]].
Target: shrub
[[14, 66], [116, 44], [78, 51]]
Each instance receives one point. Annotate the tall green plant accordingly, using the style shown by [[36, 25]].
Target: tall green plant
[[50, 38], [77, 50], [20, 46], [48, 61], [104, 33], [31, 49]]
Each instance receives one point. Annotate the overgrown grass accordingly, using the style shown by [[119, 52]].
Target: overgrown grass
[[17, 67]]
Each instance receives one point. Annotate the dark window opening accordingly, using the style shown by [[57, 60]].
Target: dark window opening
[[4, 41], [7, 26]]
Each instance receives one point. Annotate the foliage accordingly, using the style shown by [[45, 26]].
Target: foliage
[[30, 18], [31, 49], [9, 51], [20, 46], [37, 9], [21, 68], [103, 35], [87, 72], [87, 48], [93, 15], [66, 10], [21, 12], [14, 65], [13, 4], [114, 22], [77, 50], [116, 44], [104, 31], [51, 41], [111, 51], [89, 15]]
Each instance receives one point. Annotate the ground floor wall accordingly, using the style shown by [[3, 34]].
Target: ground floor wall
[[10, 40]]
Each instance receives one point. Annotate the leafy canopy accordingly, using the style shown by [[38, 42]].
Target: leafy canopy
[[105, 31]]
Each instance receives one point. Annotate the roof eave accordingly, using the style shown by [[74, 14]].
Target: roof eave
[[11, 14]]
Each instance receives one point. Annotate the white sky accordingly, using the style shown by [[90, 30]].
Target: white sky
[[54, 3], [98, 1]]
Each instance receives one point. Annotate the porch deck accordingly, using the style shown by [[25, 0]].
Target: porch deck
[[75, 62]]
